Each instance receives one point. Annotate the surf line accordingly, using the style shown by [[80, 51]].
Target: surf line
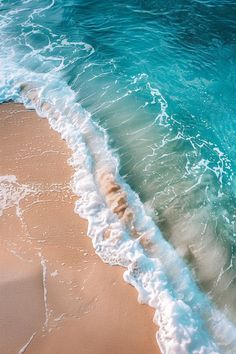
[[111, 190]]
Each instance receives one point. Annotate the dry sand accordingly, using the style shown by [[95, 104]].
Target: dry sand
[[56, 295]]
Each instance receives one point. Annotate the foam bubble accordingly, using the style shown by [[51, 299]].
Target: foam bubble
[[12, 192], [121, 231], [123, 234]]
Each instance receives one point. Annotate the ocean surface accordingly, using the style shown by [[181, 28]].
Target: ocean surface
[[143, 92]]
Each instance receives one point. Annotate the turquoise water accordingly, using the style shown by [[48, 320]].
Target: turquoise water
[[160, 78]]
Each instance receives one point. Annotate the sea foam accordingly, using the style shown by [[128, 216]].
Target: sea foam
[[12, 192], [121, 231], [32, 72]]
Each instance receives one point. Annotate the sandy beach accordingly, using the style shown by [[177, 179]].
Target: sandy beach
[[56, 295]]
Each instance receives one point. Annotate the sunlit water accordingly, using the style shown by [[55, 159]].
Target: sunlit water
[[160, 78]]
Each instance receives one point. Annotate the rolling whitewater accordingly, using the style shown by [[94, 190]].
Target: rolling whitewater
[[143, 92]]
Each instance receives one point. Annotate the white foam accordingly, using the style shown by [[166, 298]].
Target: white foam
[[12, 192], [188, 321], [24, 348]]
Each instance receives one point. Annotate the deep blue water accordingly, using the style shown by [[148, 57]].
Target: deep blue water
[[160, 77]]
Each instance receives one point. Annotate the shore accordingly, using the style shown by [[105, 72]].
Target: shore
[[56, 295]]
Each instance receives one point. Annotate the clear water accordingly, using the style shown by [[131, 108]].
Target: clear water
[[160, 78]]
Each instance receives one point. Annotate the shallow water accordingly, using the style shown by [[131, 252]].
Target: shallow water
[[159, 78]]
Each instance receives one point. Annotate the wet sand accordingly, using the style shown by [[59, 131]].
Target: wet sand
[[56, 295]]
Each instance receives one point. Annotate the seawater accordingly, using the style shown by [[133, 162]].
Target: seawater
[[146, 91]]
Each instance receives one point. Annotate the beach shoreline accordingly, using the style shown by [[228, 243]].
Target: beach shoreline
[[56, 294]]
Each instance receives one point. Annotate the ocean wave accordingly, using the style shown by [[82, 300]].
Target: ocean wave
[[120, 230], [119, 226]]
